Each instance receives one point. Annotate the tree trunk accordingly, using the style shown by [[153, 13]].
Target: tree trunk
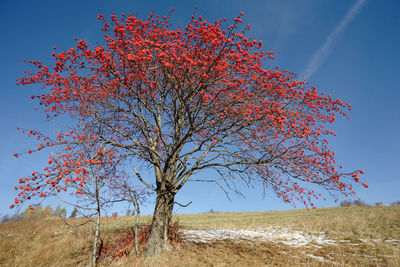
[[158, 240], [96, 238], [137, 232], [136, 205], [97, 233]]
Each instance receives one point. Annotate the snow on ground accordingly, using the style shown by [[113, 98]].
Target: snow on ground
[[275, 234]]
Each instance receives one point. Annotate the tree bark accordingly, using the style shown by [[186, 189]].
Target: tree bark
[[96, 237], [137, 232], [97, 232], [158, 240], [136, 205]]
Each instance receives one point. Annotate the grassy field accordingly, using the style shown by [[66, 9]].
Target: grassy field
[[364, 236]]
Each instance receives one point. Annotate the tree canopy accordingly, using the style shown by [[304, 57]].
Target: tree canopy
[[183, 100]]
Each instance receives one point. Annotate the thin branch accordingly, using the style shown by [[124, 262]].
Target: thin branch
[[141, 179], [183, 205]]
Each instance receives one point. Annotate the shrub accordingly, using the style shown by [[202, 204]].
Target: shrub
[[122, 246], [11, 218], [356, 202], [396, 203], [359, 202], [345, 203]]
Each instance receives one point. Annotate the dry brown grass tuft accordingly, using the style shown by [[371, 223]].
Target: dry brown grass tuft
[[365, 236], [46, 242]]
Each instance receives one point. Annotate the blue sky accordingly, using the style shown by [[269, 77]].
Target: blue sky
[[346, 48]]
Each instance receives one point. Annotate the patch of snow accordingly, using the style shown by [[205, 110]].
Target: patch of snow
[[321, 259], [380, 240], [393, 241], [316, 257], [284, 235]]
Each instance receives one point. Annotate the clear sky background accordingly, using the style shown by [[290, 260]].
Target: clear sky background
[[347, 48]]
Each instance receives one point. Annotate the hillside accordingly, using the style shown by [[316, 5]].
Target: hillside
[[351, 236]]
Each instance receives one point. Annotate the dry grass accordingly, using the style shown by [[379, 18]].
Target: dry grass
[[347, 222], [39, 243], [228, 253], [365, 234]]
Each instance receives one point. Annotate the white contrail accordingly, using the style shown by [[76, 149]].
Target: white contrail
[[320, 55]]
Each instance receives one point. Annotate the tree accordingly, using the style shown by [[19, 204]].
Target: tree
[[355, 202], [99, 165], [359, 202], [47, 211], [346, 203], [37, 212], [88, 167], [57, 212], [124, 191], [63, 213], [183, 100], [74, 212], [128, 212], [395, 203]]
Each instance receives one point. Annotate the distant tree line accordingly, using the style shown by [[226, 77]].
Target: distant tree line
[[396, 203], [40, 212], [359, 202], [37, 212]]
